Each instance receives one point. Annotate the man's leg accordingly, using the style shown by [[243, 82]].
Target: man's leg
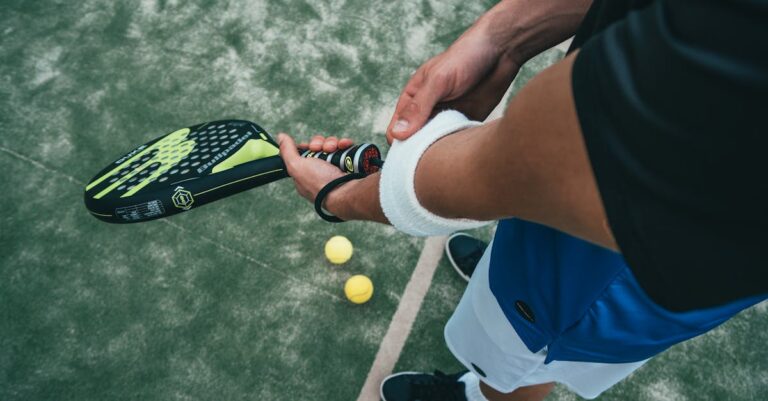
[[528, 393], [464, 252]]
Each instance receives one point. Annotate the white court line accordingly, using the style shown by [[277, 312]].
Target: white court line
[[400, 326], [40, 165], [402, 321]]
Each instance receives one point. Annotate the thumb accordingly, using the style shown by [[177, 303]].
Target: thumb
[[288, 150], [416, 112]]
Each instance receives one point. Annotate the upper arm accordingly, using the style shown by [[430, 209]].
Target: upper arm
[[530, 164]]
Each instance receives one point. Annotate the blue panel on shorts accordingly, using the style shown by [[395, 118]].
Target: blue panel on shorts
[[581, 300]]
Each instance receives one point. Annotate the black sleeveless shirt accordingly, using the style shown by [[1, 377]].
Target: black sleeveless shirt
[[672, 98]]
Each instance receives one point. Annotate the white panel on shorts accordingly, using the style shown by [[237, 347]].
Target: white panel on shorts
[[480, 336]]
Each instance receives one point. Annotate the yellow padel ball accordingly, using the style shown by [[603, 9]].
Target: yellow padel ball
[[359, 289], [338, 249]]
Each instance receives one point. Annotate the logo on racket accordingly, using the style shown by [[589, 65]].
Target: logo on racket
[[182, 198], [349, 165]]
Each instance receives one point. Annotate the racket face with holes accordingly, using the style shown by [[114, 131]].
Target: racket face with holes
[[183, 170]]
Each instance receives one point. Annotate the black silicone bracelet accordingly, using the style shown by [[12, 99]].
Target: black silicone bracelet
[[320, 198]]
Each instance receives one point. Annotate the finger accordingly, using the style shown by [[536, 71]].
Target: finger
[[330, 144], [406, 97], [345, 143], [416, 104], [416, 113], [316, 143], [288, 150], [304, 145]]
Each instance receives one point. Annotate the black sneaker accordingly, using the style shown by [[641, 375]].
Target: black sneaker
[[464, 252], [414, 386]]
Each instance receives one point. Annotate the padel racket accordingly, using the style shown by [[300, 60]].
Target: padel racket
[[200, 164]]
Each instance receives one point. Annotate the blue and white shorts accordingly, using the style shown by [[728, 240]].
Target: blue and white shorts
[[481, 338]]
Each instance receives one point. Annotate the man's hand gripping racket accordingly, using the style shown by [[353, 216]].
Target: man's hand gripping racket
[[200, 164]]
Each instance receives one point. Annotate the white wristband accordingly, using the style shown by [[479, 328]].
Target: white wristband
[[397, 192]]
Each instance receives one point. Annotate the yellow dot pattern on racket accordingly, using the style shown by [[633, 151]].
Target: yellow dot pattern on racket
[[163, 155]]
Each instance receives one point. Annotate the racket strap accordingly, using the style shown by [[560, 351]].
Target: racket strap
[[320, 198]]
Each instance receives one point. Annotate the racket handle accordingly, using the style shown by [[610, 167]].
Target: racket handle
[[364, 158]]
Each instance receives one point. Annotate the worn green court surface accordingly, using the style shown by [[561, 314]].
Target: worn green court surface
[[234, 300]]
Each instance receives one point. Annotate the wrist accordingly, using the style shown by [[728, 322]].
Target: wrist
[[337, 202], [496, 27], [357, 200], [520, 30]]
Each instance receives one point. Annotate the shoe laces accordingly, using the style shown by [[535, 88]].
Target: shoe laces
[[438, 387]]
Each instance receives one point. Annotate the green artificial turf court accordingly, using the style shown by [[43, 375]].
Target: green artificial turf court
[[233, 301]]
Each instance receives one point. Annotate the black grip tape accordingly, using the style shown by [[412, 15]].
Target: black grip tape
[[355, 159]]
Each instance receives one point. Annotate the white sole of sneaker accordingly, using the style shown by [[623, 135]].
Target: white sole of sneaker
[[448, 253], [381, 386]]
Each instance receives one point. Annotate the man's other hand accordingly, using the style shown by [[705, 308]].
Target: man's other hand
[[471, 77]]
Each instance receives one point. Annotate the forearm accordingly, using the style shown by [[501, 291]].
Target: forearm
[[357, 200], [530, 164], [521, 29]]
